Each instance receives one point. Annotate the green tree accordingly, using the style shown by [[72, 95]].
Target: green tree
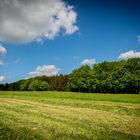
[[24, 85], [44, 86], [82, 79], [37, 85]]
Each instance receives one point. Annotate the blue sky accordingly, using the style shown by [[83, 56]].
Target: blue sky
[[106, 30]]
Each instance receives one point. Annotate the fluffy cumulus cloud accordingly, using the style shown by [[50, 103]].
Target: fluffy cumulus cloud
[[88, 62], [2, 78], [129, 54], [2, 50], [48, 70], [22, 21]]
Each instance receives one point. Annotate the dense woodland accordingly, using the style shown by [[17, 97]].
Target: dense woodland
[[106, 77]]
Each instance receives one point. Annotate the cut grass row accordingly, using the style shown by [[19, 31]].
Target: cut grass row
[[57, 115], [130, 98]]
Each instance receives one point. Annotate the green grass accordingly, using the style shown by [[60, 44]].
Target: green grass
[[68, 116]]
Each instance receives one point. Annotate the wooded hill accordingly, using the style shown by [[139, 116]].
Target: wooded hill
[[106, 77]]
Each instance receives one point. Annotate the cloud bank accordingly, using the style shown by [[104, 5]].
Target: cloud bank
[[2, 78], [88, 62], [48, 70], [129, 54], [22, 21]]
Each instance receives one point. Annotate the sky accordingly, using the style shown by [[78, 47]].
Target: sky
[[50, 37]]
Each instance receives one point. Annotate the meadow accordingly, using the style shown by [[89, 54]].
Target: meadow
[[69, 116]]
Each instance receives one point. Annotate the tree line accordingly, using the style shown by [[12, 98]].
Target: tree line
[[106, 77]]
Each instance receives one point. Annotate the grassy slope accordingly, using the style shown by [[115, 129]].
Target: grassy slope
[[58, 115]]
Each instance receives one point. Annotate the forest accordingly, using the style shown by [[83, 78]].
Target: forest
[[107, 77]]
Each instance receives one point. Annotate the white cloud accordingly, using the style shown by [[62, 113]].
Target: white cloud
[[22, 21], [1, 62], [48, 70], [129, 54], [2, 78], [138, 37], [2, 50], [88, 62]]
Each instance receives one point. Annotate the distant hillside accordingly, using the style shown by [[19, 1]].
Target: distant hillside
[[106, 77]]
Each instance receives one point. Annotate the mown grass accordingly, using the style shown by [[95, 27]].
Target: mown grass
[[68, 116]]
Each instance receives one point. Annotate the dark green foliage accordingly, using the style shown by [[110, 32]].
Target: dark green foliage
[[106, 77], [58, 83], [41, 83], [24, 85], [82, 79], [4, 87], [38, 85]]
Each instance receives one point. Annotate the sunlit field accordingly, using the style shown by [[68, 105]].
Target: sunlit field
[[67, 116]]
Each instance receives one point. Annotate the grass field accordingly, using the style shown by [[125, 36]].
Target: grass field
[[67, 116]]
